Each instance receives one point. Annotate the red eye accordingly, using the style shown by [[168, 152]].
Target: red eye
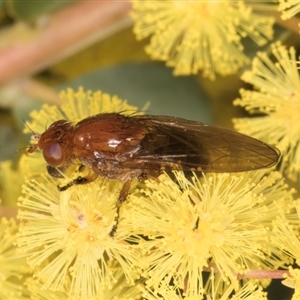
[[53, 154]]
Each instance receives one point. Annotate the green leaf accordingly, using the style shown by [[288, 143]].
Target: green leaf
[[143, 82]]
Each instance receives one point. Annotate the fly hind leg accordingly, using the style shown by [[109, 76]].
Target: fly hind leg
[[122, 197]]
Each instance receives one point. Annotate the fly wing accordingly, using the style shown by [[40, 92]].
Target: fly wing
[[189, 145]]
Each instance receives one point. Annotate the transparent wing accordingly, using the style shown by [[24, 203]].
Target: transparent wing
[[189, 145]]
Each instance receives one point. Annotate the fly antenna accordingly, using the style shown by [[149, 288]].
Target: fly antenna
[[34, 137], [33, 133]]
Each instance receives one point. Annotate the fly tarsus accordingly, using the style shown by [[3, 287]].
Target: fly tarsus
[[77, 181]]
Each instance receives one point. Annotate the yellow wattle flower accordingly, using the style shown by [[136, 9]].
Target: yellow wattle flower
[[66, 236], [289, 8], [193, 36], [276, 101], [218, 222]]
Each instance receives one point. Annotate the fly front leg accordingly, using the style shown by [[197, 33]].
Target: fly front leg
[[79, 180]]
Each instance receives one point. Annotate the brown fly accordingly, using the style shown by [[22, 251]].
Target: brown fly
[[142, 146]]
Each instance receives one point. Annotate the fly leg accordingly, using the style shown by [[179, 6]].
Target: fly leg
[[124, 191], [79, 180], [57, 172], [122, 197]]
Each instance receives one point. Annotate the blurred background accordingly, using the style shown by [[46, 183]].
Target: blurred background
[[47, 46]]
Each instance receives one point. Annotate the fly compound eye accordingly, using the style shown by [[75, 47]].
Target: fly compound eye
[[53, 154]]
